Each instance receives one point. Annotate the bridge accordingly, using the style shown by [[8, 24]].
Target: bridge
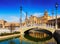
[[46, 27]]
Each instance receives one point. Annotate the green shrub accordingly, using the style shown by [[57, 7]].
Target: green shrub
[[4, 34]]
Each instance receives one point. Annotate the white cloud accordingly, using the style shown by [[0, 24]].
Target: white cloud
[[58, 16], [23, 13], [16, 18], [12, 19], [23, 16], [54, 17], [38, 14]]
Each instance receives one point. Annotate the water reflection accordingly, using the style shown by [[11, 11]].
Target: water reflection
[[31, 37], [25, 41], [38, 35], [12, 42]]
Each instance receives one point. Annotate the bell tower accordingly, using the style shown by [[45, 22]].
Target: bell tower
[[26, 19], [26, 16], [20, 16], [45, 13]]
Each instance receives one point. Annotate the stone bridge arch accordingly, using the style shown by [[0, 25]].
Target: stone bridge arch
[[22, 30]]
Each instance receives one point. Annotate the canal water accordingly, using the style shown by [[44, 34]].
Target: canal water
[[27, 39], [23, 40]]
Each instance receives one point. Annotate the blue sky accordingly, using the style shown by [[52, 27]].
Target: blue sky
[[10, 9]]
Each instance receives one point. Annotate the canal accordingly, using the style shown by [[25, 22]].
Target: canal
[[30, 38], [18, 41]]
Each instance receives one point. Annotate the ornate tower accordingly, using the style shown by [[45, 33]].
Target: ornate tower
[[20, 16], [26, 16], [52, 17], [26, 19], [45, 13]]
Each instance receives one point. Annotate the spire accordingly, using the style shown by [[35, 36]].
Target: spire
[[26, 15], [20, 15], [20, 7], [31, 15], [52, 17], [26, 18], [45, 10], [52, 12], [46, 13]]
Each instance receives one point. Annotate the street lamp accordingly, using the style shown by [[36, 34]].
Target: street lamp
[[56, 6]]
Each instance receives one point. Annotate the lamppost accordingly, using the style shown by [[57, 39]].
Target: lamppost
[[56, 6], [20, 16]]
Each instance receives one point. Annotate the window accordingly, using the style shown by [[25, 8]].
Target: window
[[0, 25]]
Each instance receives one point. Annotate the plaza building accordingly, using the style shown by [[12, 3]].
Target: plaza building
[[5, 24], [53, 22], [28, 21], [38, 20]]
